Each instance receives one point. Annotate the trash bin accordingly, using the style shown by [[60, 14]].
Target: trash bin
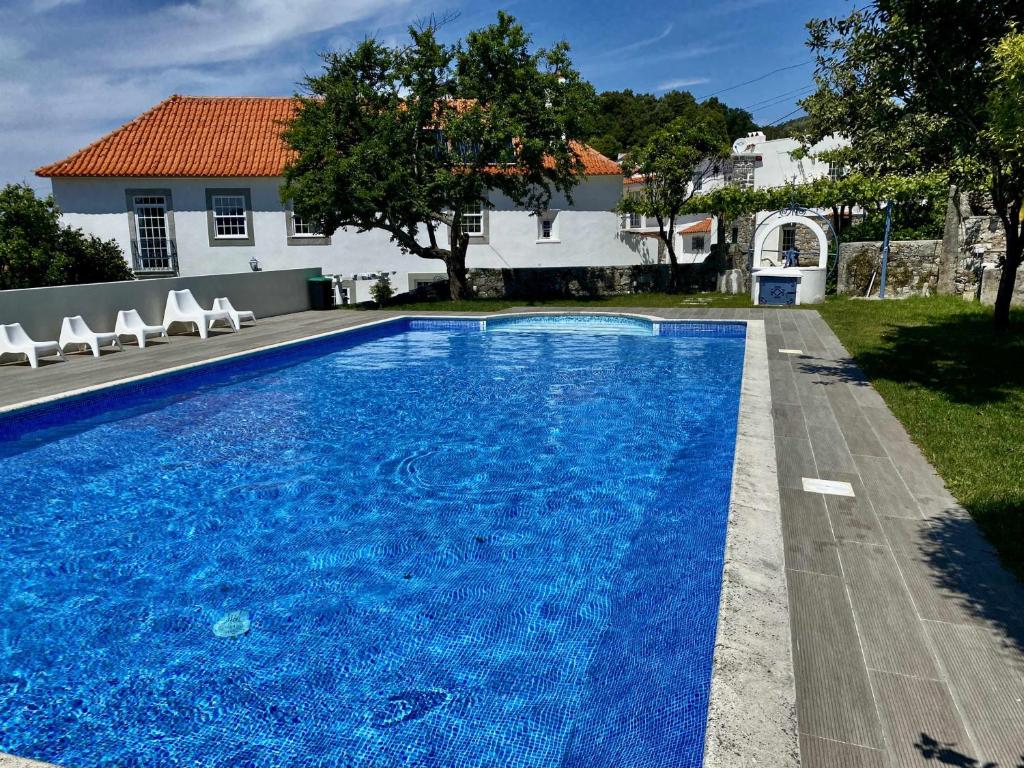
[[321, 292]]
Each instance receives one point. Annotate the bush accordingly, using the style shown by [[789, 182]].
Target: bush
[[382, 290], [36, 250]]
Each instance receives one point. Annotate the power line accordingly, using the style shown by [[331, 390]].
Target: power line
[[788, 114], [776, 99], [757, 79]]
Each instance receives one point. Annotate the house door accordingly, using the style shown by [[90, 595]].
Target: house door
[[154, 245]]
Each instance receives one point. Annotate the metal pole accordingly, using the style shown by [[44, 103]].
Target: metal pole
[[885, 249]]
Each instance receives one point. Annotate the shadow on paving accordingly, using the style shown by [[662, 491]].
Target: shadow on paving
[[945, 753], [965, 569]]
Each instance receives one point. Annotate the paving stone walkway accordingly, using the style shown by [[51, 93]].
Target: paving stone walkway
[[908, 636]]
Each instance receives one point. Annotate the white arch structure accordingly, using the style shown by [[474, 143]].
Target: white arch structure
[[764, 231], [807, 284]]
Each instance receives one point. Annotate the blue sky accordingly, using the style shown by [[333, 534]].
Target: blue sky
[[71, 70]]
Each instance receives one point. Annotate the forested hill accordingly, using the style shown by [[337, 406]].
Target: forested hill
[[625, 119]]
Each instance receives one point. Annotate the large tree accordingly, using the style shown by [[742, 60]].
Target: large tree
[[673, 164], [917, 86], [407, 139], [36, 250]]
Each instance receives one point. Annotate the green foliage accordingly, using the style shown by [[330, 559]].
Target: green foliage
[[795, 127], [405, 139], [1006, 100], [625, 120], [853, 189], [911, 220], [36, 250], [929, 86], [671, 162], [381, 292]]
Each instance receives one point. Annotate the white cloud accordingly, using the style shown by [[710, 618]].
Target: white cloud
[[641, 43], [65, 83], [41, 6], [685, 82]]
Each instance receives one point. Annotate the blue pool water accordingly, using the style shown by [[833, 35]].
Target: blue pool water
[[449, 547]]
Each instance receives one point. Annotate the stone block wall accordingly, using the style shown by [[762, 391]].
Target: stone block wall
[[990, 285], [913, 268], [582, 282]]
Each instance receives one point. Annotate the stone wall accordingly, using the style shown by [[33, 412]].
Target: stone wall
[[974, 242], [583, 282], [913, 268], [990, 285]]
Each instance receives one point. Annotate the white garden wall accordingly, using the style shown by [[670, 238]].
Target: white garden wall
[[40, 310]]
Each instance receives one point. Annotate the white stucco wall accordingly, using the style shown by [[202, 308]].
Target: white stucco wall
[[588, 232], [778, 168]]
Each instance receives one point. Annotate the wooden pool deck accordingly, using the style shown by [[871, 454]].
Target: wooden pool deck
[[908, 636]]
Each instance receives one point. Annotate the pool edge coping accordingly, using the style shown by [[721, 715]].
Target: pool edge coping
[[752, 707], [751, 717]]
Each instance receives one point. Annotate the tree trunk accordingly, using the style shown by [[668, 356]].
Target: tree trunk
[[458, 282], [1008, 278], [675, 277]]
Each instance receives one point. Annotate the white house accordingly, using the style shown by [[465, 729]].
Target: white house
[[191, 187], [755, 163]]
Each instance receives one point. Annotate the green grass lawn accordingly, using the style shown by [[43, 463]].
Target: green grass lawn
[[958, 388]]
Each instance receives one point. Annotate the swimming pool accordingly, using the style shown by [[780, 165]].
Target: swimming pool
[[457, 543]]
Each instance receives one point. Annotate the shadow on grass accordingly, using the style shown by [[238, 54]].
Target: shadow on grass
[[959, 356]]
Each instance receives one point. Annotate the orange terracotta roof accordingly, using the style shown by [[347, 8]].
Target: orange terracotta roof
[[203, 136], [699, 228]]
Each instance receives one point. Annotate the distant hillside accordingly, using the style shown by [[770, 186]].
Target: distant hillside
[[624, 119], [786, 129]]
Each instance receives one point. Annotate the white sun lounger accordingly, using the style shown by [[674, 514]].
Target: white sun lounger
[[238, 316], [182, 307], [75, 331], [14, 341], [130, 323]]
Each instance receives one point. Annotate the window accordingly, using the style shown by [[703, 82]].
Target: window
[[735, 235], [153, 244], [697, 244], [473, 219], [547, 227], [302, 228], [151, 226], [836, 172], [788, 237], [229, 216], [301, 232]]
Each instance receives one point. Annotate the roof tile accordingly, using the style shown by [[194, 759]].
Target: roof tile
[[202, 136]]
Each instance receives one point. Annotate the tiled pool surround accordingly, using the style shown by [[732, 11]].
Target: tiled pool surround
[[740, 725]]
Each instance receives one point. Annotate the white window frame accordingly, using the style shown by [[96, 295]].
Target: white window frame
[[230, 218], [550, 220], [694, 240], [477, 218], [296, 222]]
